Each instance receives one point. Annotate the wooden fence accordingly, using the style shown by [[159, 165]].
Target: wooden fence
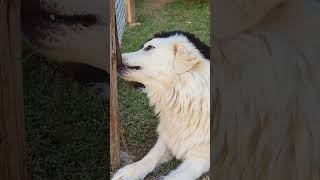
[[12, 134], [131, 11], [116, 21], [114, 112]]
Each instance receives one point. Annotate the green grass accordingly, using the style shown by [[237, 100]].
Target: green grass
[[138, 119], [185, 15], [77, 151]]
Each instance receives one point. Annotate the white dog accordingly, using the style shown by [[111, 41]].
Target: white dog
[[174, 70]]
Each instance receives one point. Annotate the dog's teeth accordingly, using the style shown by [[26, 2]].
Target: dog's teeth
[[52, 17]]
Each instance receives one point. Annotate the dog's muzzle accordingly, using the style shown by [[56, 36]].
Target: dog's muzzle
[[123, 68]]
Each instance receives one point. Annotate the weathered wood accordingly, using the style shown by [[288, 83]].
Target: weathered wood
[[114, 117], [131, 11], [12, 161]]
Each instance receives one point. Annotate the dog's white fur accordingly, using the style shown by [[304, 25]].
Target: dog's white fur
[[176, 78]]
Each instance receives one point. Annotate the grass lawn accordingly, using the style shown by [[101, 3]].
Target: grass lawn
[[79, 150], [138, 119]]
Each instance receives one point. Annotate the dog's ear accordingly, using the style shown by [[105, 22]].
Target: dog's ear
[[184, 59]]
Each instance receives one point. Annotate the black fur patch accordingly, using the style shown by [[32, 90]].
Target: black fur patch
[[202, 47]]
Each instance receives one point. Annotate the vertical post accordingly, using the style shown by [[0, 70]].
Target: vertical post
[[114, 118], [131, 11], [12, 162]]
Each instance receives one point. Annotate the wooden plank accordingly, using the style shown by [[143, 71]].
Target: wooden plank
[[131, 11], [12, 163], [114, 116]]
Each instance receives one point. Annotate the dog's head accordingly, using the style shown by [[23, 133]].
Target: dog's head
[[69, 30], [163, 58]]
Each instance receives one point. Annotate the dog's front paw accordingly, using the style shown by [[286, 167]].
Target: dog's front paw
[[129, 172]]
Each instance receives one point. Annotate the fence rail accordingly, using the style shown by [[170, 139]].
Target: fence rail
[[120, 10]]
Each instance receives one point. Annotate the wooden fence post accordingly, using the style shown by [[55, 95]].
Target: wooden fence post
[[114, 112], [131, 11], [12, 137]]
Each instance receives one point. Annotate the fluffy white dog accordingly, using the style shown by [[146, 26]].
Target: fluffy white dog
[[174, 70]]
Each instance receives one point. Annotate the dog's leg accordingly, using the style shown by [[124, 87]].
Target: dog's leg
[[138, 170], [195, 164]]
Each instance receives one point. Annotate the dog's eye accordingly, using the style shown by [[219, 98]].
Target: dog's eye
[[148, 48]]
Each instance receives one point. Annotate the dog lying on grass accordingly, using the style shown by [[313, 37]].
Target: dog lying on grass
[[173, 69]]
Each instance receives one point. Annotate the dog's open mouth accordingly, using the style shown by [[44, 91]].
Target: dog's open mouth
[[124, 67], [136, 85]]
